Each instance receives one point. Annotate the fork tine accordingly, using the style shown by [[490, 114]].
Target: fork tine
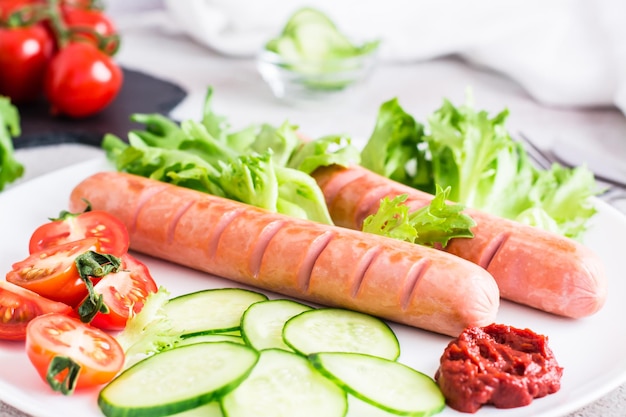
[[542, 158]]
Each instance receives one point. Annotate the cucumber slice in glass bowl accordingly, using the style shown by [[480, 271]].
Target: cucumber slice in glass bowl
[[339, 330], [388, 385]]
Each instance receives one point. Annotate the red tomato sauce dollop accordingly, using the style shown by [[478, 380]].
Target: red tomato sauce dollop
[[499, 365]]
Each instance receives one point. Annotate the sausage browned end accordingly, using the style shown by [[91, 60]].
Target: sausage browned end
[[330, 265], [531, 266]]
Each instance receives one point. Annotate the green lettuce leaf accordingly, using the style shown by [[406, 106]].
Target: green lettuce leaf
[[10, 168], [396, 149], [431, 225], [325, 151], [250, 165], [475, 156]]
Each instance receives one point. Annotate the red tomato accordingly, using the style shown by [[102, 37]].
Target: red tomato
[[24, 56], [52, 272], [81, 80], [82, 4], [82, 21], [8, 7], [18, 306], [110, 232], [124, 293], [98, 354]]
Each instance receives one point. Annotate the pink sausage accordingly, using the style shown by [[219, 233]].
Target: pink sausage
[[531, 266], [334, 266]]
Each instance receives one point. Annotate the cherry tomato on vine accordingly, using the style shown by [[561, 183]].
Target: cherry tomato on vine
[[81, 80], [124, 293], [52, 272], [18, 306], [8, 7], [83, 4], [24, 56], [93, 26], [95, 356], [108, 229]]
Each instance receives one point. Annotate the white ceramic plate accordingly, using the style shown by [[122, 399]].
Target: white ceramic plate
[[591, 350]]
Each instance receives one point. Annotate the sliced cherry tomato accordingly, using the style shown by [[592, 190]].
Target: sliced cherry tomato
[[18, 306], [81, 80], [52, 272], [108, 229], [97, 354], [124, 293], [24, 56]]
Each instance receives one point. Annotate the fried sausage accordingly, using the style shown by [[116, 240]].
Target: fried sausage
[[329, 265], [531, 266]]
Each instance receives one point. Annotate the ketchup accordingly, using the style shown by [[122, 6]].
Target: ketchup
[[498, 365]]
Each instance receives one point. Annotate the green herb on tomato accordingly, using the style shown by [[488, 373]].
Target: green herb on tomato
[[473, 154], [10, 168]]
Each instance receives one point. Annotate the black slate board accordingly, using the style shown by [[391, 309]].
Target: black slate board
[[140, 93]]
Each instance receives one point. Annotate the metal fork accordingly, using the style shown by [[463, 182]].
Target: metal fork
[[610, 192]]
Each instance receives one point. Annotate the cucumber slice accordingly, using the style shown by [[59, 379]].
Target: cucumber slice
[[212, 409], [202, 338], [388, 385], [209, 311], [339, 330], [177, 380], [262, 323], [284, 384]]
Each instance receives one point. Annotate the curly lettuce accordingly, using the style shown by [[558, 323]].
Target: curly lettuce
[[475, 156], [260, 165], [432, 225], [10, 168]]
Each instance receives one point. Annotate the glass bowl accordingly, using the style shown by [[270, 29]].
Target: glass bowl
[[301, 80]]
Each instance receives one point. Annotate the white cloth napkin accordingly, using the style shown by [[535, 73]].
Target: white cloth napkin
[[563, 52]]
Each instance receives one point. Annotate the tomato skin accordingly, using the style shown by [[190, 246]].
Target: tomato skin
[[24, 56], [100, 355], [123, 291], [81, 80], [52, 272], [108, 229], [18, 306], [8, 7], [84, 20]]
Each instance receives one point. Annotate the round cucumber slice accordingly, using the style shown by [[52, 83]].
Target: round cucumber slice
[[262, 323], [209, 311], [385, 384], [177, 380], [284, 384], [203, 338], [339, 330]]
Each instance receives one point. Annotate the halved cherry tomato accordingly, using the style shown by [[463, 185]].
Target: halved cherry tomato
[[18, 306], [110, 232], [81, 80], [52, 272], [99, 355], [124, 293]]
